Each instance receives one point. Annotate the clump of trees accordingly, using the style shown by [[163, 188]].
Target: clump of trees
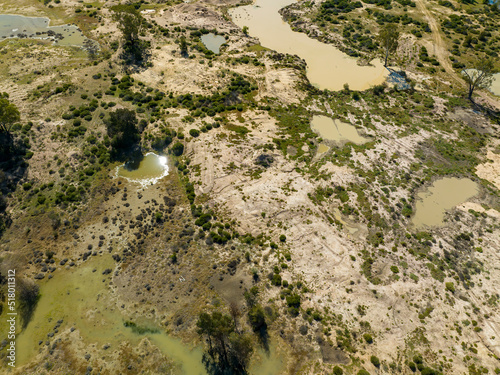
[[12, 153], [9, 114], [131, 24], [229, 350], [123, 132]]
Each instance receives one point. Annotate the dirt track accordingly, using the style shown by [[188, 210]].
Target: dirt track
[[439, 44]]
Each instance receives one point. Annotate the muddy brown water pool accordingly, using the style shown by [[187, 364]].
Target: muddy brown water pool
[[327, 66], [442, 195], [337, 131], [495, 84]]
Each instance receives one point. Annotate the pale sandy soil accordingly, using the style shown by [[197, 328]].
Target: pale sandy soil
[[491, 169]]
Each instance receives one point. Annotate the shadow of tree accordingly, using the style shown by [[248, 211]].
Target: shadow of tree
[[485, 110], [12, 169], [29, 294], [264, 338], [216, 365]]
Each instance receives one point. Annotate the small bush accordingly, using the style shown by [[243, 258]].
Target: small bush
[[375, 361], [276, 280], [450, 287], [178, 149]]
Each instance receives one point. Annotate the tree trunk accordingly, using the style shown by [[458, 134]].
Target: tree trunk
[[386, 56], [471, 91]]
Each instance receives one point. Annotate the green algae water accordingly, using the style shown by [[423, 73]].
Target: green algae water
[[322, 148], [80, 298], [16, 26], [213, 42], [149, 170]]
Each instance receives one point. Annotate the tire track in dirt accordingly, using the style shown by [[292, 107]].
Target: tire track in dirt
[[439, 44]]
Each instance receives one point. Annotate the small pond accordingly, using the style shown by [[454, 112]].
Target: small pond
[[213, 42], [335, 130], [147, 171], [15, 26], [322, 148], [442, 195]]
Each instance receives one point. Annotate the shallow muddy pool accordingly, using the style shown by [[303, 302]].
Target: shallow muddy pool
[[442, 195], [327, 66], [15, 26], [322, 148], [335, 130], [148, 171], [351, 229], [213, 42], [495, 85]]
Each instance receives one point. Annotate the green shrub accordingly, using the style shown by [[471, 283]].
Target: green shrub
[[276, 280], [293, 301], [412, 366], [194, 133], [178, 149], [368, 338], [257, 318], [375, 361], [337, 371], [450, 287]]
